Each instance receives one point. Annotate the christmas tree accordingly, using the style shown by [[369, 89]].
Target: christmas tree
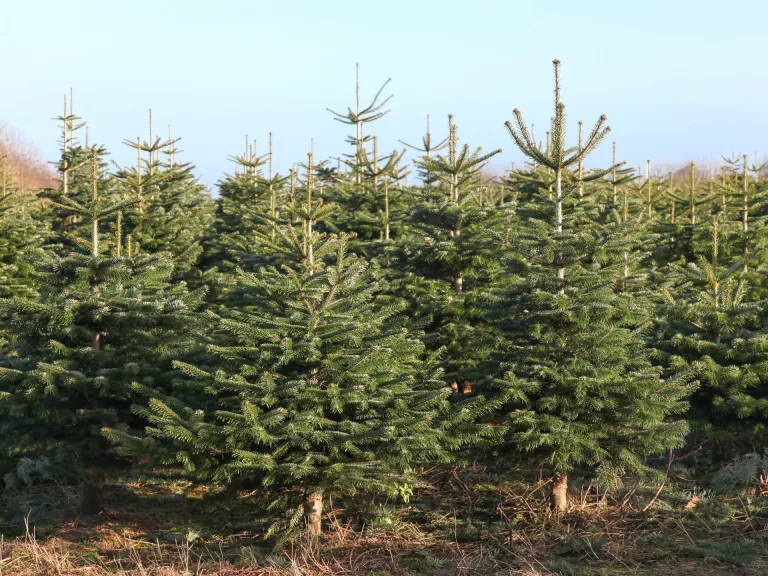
[[74, 169], [240, 199], [323, 391], [574, 371], [711, 327], [100, 323], [371, 192], [445, 260], [174, 212]]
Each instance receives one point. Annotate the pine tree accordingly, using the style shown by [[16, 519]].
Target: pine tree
[[323, 390], [100, 323], [574, 371]]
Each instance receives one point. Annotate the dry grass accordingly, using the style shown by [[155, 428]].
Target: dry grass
[[342, 553], [468, 523]]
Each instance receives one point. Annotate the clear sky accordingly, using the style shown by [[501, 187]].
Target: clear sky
[[678, 79]]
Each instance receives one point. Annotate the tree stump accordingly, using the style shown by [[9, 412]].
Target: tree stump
[[558, 498], [93, 492], [313, 513]]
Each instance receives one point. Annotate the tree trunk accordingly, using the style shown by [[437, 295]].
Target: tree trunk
[[558, 498], [559, 216], [93, 492], [313, 512]]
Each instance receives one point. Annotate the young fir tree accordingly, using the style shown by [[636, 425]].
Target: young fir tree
[[380, 204], [575, 376], [669, 223], [446, 260], [359, 118], [23, 231], [369, 203], [427, 150], [711, 327], [683, 228], [323, 390], [174, 213], [251, 203], [100, 323], [240, 202], [74, 168], [742, 214], [244, 198]]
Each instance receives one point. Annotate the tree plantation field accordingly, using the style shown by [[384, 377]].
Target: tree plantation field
[[373, 366]]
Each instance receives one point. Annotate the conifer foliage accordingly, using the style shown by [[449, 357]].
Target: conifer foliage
[[22, 234], [100, 323], [710, 327], [174, 212], [579, 387], [447, 261], [322, 388], [345, 330]]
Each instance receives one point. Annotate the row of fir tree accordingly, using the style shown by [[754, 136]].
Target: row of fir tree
[[335, 330]]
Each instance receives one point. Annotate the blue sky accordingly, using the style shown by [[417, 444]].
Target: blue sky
[[679, 80]]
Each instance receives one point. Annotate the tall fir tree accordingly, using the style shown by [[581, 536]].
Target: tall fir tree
[[574, 371], [369, 203]]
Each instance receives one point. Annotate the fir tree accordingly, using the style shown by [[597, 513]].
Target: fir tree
[[359, 118], [240, 200], [248, 199], [447, 262], [578, 386], [427, 150], [369, 205], [23, 231], [100, 323], [686, 228], [323, 390], [74, 168], [741, 218], [174, 212], [711, 327]]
